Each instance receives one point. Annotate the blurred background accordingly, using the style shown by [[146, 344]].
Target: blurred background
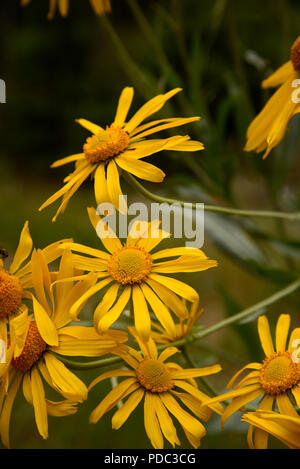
[[218, 52]]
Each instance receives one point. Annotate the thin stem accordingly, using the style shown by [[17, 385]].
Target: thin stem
[[291, 216], [291, 288]]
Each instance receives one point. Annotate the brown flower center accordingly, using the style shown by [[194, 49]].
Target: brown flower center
[[154, 376], [130, 264], [11, 292], [33, 350], [106, 144], [279, 373]]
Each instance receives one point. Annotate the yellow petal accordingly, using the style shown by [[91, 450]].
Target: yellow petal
[[100, 185], [123, 106], [64, 380], [122, 414], [114, 188], [176, 286], [45, 326], [141, 313], [23, 250], [151, 423], [282, 330], [39, 403], [141, 169], [265, 335], [94, 128], [280, 76]]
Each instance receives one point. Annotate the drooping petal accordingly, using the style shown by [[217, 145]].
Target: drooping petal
[[178, 287], [151, 423], [39, 403], [122, 414], [141, 169]]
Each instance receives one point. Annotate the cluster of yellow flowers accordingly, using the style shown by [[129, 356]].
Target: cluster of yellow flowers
[[39, 304]]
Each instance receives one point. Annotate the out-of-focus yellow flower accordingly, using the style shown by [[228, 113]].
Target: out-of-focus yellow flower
[[283, 427], [138, 275], [16, 281], [182, 328], [161, 385], [268, 128], [34, 337], [277, 379], [99, 6], [122, 145]]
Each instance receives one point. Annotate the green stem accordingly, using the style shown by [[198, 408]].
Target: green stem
[[291, 288], [291, 216]]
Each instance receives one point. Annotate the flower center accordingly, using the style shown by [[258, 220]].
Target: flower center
[[33, 349], [11, 292], [295, 54], [106, 144], [279, 373], [154, 376], [130, 264]]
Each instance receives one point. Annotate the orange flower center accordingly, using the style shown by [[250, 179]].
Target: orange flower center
[[279, 373], [295, 54], [130, 264], [106, 144], [154, 376], [11, 292], [33, 350]]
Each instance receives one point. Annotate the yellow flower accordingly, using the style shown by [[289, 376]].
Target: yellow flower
[[277, 379], [283, 427], [269, 127], [135, 274], [35, 337], [182, 328], [122, 145], [151, 378], [16, 281], [99, 6]]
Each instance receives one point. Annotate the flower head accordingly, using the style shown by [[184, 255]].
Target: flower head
[[162, 386], [276, 380], [99, 6], [182, 328], [284, 427], [268, 128], [36, 340], [136, 273], [122, 146]]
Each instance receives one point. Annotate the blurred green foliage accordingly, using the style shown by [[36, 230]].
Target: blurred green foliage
[[218, 52]]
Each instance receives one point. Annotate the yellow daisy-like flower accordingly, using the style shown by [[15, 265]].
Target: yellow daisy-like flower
[[283, 427], [138, 274], [160, 384], [276, 380], [16, 281], [268, 128], [182, 328], [122, 145], [34, 337], [99, 6]]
